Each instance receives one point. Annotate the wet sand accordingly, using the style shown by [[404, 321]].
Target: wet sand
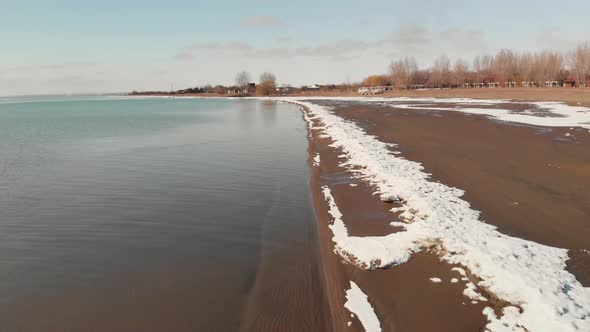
[[531, 182]]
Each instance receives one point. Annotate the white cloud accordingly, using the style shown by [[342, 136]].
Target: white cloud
[[415, 40]]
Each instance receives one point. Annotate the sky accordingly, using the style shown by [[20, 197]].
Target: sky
[[65, 46]]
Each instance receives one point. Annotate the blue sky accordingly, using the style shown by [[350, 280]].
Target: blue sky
[[65, 46]]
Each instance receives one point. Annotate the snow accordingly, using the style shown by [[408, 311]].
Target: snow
[[316, 160], [454, 280], [526, 274], [460, 271], [471, 292], [561, 115], [508, 323], [436, 280], [358, 303]]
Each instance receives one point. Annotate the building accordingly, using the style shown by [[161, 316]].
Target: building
[[313, 87], [551, 84]]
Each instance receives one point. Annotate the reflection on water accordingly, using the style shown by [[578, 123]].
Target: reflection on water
[[147, 214], [268, 110]]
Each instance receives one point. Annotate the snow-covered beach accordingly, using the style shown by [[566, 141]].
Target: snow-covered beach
[[526, 283]]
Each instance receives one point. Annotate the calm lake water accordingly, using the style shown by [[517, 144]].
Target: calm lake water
[[156, 214]]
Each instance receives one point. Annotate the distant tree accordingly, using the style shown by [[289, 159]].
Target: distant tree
[[579, 60], [526, 67], [460, 72], [441, 72], [482, 65], [505, 66], [243, 78], [421, 77], [267, 84], [376, 80], [220, 89], [553, 65], [402, 72]]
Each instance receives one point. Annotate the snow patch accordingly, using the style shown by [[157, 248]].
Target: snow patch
[[358, 303], [316, 160], [508, 322], [472, 293], [436, 280]]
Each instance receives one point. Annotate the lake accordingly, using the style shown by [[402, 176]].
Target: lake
[[156, 214]]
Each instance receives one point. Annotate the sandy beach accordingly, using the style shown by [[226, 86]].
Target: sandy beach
[[528, 181]]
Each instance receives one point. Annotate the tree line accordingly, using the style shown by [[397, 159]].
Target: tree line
[[505, 67]]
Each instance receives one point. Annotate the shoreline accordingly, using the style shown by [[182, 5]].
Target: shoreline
[[374, 283], [414, 275], [570, 96]]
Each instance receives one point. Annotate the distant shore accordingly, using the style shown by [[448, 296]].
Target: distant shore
[[570, 96]]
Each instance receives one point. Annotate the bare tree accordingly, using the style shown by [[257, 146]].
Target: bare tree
[[459, 74], [441, 72], [579, 60], [505, 66], [552, 65], [482, 65], [526, 67], [243, 79], [402, 72]]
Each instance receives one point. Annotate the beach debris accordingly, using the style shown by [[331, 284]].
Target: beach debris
[[454, 280], [353, 185], [435, 280]]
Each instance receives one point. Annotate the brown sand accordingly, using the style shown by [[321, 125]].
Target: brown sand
[[524, 180]]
